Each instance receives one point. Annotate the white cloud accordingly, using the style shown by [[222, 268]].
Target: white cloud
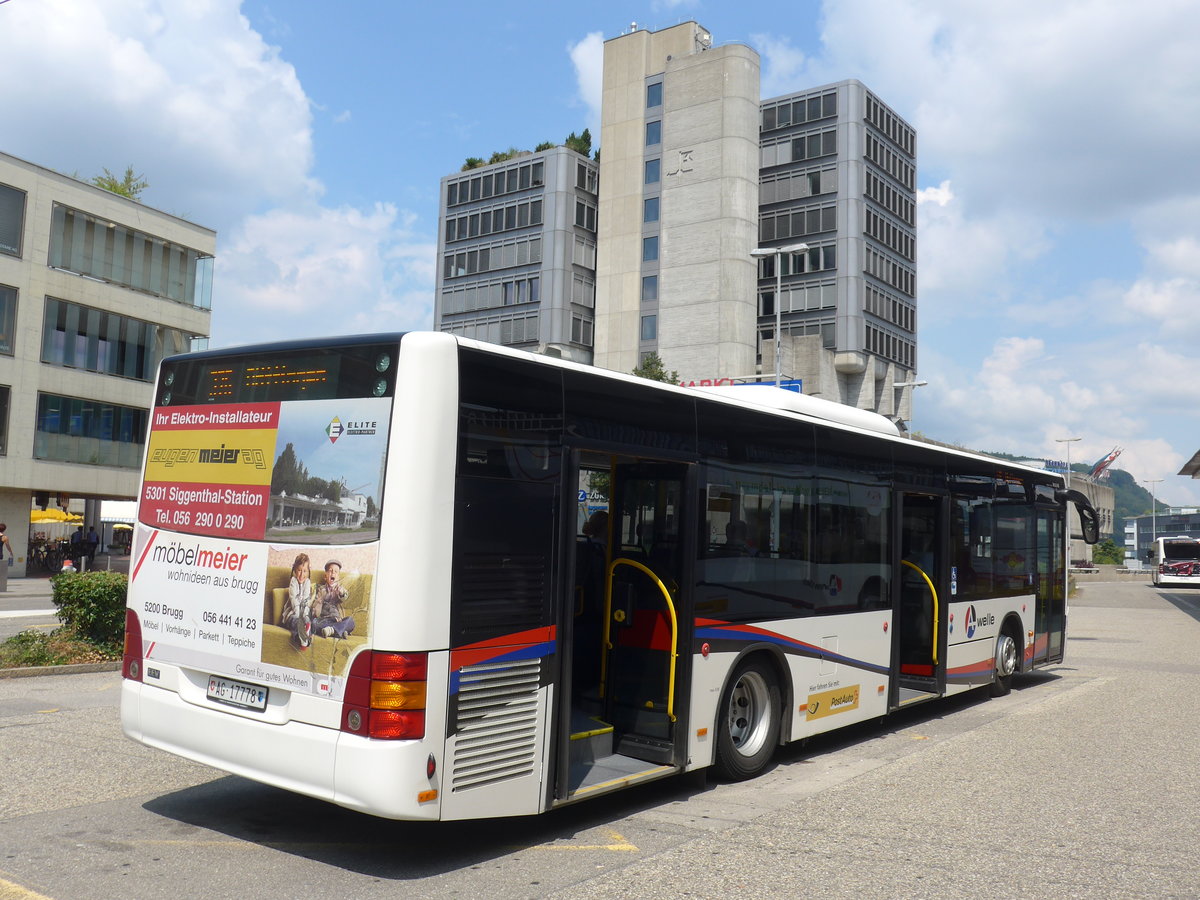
[[1077, 109], [964, 260], [197, 101], [293, 273], [587, 56], [1174, 304], [188, 94], [782, 65]]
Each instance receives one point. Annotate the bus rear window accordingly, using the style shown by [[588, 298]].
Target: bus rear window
[[1181, 550], [280, 445]]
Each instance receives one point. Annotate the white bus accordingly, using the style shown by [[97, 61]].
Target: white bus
[[429, 578], [1175, 560]]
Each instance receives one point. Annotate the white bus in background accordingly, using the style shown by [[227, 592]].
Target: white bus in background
[[358, 573], [1175, 560]]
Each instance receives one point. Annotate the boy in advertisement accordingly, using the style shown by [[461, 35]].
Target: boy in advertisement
[[330, 619]]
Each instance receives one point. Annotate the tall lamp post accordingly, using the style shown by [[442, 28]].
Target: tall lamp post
[[777, 252], [1068, 441], [1153, 508]]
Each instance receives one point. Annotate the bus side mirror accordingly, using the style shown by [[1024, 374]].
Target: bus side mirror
[[1089, 519]]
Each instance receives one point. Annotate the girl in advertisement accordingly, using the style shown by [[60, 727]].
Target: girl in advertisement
[[297, 611]]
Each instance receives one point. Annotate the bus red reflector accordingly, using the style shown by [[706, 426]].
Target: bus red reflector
[[395, 725], [131, 658], [398, 666]]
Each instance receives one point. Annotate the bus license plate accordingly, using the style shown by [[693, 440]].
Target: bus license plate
[[237, 693]]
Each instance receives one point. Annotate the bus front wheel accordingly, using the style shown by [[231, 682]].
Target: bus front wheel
[[748, 721], [1006, 664]]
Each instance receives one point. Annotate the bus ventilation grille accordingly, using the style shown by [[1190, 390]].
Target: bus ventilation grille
[[496, 723]]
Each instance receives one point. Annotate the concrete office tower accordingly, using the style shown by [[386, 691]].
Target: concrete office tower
[[678, 203], [839, 174], [94, 290], [517, 244]]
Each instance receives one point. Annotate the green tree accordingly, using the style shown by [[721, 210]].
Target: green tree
[[503, 155], [652, 367], [289, 474], [473, 162], [129, 185], [544, 145], [1107, 553], [580, 143]]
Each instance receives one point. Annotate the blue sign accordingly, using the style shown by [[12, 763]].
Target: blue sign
[[795, 385]]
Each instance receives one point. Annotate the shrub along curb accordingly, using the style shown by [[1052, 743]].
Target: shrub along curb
[[65, 669]]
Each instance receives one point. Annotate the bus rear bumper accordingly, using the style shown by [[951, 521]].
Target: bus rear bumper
[[383, 778]]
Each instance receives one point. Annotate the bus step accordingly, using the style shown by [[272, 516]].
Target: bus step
[[640, 746], [591, 739]]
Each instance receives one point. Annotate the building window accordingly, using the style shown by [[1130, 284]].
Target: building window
[[12, 219], [585, 178], [650, 209], [8, 319], [88, 432], [649, 328], [654, 95], [653, 171], [85, 245], [585, 215], [649, 287], [581, 330], [79, 337], [5, 393], [650, 248], [653, 133]]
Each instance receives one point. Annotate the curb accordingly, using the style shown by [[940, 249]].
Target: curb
[[76, 669]]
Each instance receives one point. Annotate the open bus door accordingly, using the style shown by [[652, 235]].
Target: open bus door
[[629, 630], [920, 596]]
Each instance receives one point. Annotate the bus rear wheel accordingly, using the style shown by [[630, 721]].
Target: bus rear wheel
[[1006, 664], [748, 721]]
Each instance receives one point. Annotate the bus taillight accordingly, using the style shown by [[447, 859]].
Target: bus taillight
[[385, 696], [131, 659]]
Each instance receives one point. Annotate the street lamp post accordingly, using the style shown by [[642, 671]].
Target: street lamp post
[[1067, 543], [1153, 508], [777, 252]]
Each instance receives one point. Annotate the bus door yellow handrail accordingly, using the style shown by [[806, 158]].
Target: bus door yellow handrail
[[608, 583], [933, 591]]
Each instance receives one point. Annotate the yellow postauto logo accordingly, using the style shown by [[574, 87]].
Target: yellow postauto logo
[[220, 457], [829, 703]]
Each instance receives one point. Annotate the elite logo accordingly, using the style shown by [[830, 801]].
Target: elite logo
[[334, 429]]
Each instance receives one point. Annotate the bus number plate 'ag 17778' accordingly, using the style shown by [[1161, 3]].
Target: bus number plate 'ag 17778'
[[237, 693]]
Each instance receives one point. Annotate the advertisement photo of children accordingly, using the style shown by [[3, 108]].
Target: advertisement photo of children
[[317, 606]]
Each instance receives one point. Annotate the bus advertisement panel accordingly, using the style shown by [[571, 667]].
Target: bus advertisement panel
[[256, 554]]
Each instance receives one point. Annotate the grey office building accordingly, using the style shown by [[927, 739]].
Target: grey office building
[[697, 173], [517, 251], [838, 173]]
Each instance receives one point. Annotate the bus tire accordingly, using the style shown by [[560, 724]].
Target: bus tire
[[1006, 664], [748, 721]]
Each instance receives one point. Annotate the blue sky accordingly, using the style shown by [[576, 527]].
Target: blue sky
[[1058, 151]]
